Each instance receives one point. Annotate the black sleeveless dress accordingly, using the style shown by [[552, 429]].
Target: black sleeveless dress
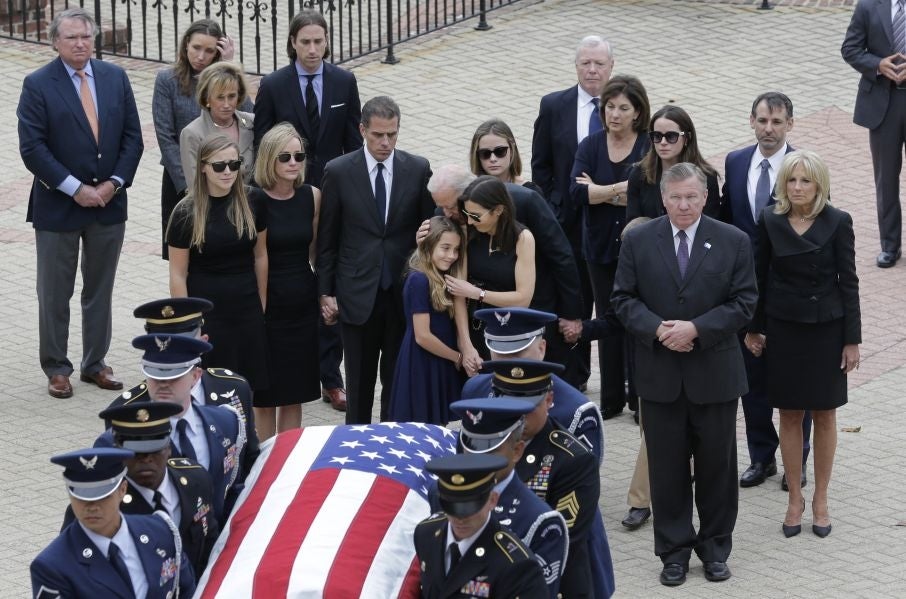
[[491, 270]]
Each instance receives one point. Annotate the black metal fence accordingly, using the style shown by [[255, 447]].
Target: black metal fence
[[151, 29]]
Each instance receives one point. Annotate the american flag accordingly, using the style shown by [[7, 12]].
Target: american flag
[[329, 511]]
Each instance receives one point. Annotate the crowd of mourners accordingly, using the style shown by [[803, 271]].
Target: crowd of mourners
[[299, 236]]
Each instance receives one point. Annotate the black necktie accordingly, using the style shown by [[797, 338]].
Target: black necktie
[[116, 560], [311, 108], [594, 121], [380, 200], [185, 445], [455, 556], [763, 188], [159, 503], [682, 253]]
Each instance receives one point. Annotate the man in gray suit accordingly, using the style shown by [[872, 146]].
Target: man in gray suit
[[684, 286], [374, 200], [875, 45]]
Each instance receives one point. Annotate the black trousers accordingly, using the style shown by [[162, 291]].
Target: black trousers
[[330, 354], [372, 347], [886, 143], [610, 349], [675, 431]]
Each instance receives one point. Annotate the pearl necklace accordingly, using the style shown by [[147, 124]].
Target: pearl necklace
[[223, 126]]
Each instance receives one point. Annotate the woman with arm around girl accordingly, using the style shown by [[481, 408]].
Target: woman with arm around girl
[[673, 140], [807, 323], [500, 265], [218, 250], [173, 105], [427, 377], [292, 290], [600, 174]]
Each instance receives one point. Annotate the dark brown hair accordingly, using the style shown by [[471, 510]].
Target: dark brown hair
[[183, 68], [633, 89], [651, 162]]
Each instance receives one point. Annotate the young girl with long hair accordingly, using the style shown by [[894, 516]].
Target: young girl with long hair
[[427, 380]]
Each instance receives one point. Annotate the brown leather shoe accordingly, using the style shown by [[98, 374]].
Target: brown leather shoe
[[335, 397], [58, 386], [103, 378]]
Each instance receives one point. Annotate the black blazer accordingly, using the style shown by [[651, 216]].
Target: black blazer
[[553, 150], [869, 38], [55, 141], [809, 278], [280, 99], [644, 199], [353, 241], [718, 295]]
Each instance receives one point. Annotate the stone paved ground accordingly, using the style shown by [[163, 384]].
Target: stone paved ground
[[711, 58]]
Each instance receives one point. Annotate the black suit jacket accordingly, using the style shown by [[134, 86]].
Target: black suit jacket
[[280, 99], [718, 295], [55, 141], [809, 278], [869, 38], [353, 240], [497, 564], [553, 150], [557, 286]]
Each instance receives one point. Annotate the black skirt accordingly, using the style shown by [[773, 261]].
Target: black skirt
[[803, 365]]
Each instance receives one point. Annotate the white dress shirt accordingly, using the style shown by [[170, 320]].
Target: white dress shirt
[[690, 235], [464, 545], [371, 162], [584, 108], [169, 496]]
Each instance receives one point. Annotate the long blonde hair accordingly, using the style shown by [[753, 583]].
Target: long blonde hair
[[197, 204], [420, 260], [815, 169]]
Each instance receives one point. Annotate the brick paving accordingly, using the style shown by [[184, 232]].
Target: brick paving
[[712, 58]]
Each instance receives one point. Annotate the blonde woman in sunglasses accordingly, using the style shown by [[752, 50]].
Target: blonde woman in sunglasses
[[217, 240]]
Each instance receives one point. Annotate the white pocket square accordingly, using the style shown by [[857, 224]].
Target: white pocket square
[[338, 105]]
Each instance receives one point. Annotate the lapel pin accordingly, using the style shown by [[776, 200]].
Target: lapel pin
[[707, 246], [86, 552], [143, 539]]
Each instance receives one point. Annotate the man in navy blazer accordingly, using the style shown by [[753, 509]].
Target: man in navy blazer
[[684, 286], [771, 119], [282, 96], [871, 47], [374, 200], [563, 121], [80, 136]]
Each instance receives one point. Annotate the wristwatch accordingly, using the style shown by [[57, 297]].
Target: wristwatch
[[481, 295], [117, 186]]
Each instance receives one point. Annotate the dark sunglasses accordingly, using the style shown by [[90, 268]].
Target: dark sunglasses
[[285, 156], [671, 136], [221, 166], [476, 217], [499, 151]]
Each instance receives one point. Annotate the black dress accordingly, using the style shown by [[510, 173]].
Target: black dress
[[292, 301], [491, 270], [224, 273]]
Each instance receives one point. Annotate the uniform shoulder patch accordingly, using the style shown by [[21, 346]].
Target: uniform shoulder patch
[[511, 546], [568, 443], [224, 373], [182, 463]]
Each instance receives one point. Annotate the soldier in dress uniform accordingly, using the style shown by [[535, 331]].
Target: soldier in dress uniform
[[156, 481], [217, 386], [494, 426], [463, 551], [561, 471], [212, 436], [106, 553]]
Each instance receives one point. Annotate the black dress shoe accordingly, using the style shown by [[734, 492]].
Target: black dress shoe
[[803, 480], [888, 259], [674, 575], [716, 571], [610, 411], [821, 531], [636, 517], [757, 473]]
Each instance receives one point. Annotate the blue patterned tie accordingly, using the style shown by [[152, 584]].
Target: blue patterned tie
[[899, 27], [682, 253], [763, 188], [114, 555], [594, 121]]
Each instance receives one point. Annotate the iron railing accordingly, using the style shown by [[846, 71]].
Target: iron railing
[[151, 29]]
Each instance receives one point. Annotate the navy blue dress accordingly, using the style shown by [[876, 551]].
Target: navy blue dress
[[424, 385]]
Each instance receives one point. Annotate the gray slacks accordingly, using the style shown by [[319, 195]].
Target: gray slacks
[[58, 259], [886, 143]]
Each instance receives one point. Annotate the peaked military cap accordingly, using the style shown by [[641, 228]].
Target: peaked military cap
[[174, 315], [526, 379], [142, 426], [94, 473], [464, 481], [169, 356], [488, 422], [511, 330]]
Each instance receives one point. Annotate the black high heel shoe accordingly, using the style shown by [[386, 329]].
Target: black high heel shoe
[[821, 531], [792, 531]]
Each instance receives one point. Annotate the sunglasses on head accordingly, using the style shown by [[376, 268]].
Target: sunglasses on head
[[285, 156], [671, 136], [499, 152], [219, 167]]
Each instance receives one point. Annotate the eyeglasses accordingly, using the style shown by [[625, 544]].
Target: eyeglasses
[[476, 217], [671, 136], [221, 166], [499, 151], [285, 156]]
